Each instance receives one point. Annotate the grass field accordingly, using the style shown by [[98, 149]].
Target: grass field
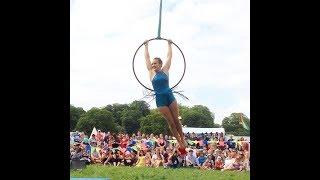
[[122, 172]]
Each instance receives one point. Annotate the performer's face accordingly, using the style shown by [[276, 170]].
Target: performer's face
[[156, 65]]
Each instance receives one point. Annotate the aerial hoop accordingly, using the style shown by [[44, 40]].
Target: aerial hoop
[[158, 38]]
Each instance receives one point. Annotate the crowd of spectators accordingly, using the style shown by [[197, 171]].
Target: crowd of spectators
[[210, 151]]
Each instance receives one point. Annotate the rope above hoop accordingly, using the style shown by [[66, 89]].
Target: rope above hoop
[[159, 38], [159, 25]]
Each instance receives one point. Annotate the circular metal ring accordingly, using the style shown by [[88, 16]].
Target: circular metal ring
[[184, 60]]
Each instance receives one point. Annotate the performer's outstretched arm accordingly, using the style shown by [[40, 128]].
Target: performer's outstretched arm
[[147, 56], [166, 67]]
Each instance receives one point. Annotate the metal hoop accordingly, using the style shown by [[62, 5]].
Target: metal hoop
[[134, 72]]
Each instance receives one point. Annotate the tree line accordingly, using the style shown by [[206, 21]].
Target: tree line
[[137, 116]]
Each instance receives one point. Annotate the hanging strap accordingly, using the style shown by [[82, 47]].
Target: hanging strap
[[159, 25]]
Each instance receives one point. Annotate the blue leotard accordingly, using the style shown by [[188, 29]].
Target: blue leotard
[[164, 95]]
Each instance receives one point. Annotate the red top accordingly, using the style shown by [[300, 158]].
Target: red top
[[182, 150], [123, 142], [219, 164]]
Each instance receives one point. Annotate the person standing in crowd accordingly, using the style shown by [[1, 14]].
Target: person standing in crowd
[[231, 144]]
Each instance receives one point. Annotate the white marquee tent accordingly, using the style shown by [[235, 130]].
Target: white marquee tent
[[202, 130]]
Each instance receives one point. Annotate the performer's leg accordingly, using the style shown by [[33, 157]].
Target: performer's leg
[[175, 113], [165, 111]]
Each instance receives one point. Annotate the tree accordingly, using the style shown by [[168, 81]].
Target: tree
[[208, 120], [140, 106], [192, 119], [232, 124], [130, 120], [75, 114], [99, 118], [183, 109], [197, 116], [116, 110], [154, 123]]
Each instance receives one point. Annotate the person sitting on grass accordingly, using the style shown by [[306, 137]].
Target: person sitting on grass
[[87, 147], [212, 147], [151, 141], [182, 153], [127, 159], [221, 135], [99, 136], [218, 164], [95, 156], [157, 159], [77, 153], [110, 141], [244, 145], [143, 138], [124, 141], [246, 161], [117, 158], [134, 155], [207, 165], [201, 142], [191, 159], [221, 144], [169, 164], [139, 136], [210, 151], [141, 162], [76, 161], [165, 152], [107, 138], [231, 144], [239, 144], [173, 159], [113, 159], [109, 160], [100, 149], [230, 159], [236, 165], [104, 156], [148, 159], [239, 162], [227, 154], [92, 139], [216, 135], [86, 158], [161, 141], [201, 158]]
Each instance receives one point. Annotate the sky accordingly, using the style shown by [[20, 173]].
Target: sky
[[214, 36]]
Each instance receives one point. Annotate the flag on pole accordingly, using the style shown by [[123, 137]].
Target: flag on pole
[[243, 123], [94, 131]]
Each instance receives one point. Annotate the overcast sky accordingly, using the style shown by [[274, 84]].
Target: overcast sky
[[214, 36]]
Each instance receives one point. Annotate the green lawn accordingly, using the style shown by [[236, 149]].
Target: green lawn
[[122, 172]]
